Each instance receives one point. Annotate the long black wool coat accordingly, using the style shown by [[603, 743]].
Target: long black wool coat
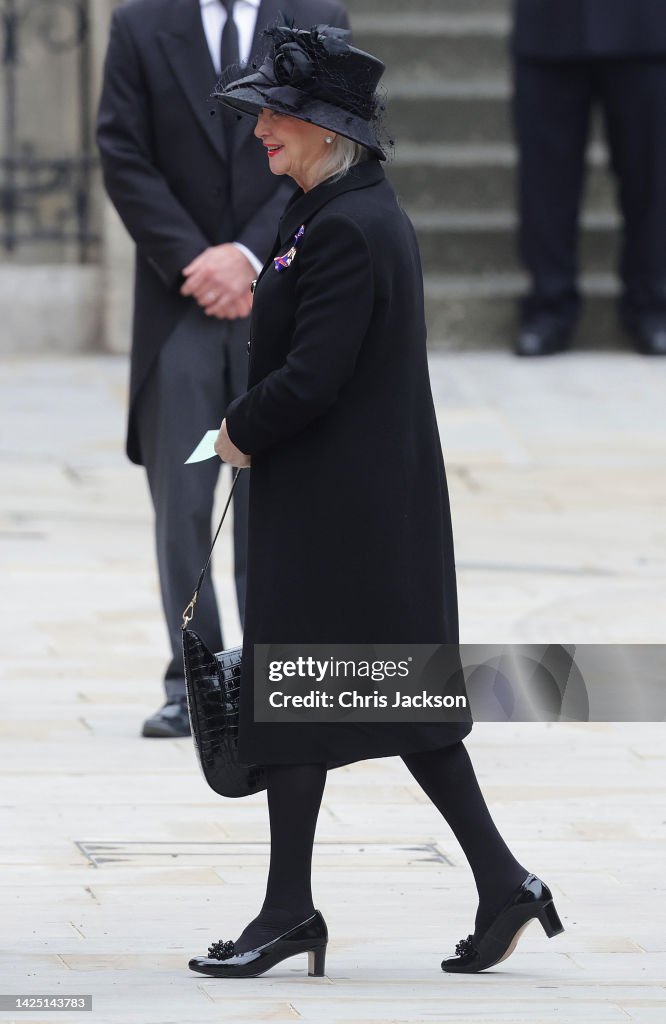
[[350, 536]]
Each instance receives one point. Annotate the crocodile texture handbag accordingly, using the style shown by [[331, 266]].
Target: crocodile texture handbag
[[212, 685]]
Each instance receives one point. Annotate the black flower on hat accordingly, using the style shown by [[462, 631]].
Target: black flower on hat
[[291, 65], [298, 53]]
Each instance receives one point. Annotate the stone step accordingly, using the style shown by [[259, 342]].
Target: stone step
[[448, 110], [434, 46], [484, 242], [453, 111], [481, 311], [474, 177]]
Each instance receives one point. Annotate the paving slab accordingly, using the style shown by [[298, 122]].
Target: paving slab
[[117, 861]]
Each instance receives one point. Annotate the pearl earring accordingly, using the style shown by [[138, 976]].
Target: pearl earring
[[329, 140]]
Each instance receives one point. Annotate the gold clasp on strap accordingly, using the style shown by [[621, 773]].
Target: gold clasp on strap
[[188, 614]]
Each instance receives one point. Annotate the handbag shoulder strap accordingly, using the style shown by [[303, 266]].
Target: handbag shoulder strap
[[188, 614]]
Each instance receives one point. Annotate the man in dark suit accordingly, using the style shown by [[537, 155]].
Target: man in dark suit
[[569, 54], [192, 186]]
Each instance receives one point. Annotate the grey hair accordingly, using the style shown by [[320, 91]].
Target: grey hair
[[344, 154]]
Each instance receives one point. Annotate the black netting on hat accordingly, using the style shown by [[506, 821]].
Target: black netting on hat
[[379, 121]]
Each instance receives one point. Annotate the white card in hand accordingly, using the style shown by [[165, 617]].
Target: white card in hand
[[205, 449]]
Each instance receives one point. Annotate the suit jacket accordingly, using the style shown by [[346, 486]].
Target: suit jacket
[[349, 525], [165, 162], [577, 29]]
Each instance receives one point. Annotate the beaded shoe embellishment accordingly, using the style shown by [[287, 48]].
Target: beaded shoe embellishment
[[221, 950], [465, 946]]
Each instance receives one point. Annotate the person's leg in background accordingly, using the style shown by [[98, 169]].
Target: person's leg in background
[[634, 99], [448, 778], [552, 101], [183, 397]]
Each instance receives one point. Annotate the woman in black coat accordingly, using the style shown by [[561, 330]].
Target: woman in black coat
[[350, 537]]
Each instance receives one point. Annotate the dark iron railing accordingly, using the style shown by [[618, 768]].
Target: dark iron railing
[[45, 199]]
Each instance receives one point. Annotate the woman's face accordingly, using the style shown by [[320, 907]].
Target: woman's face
[[293, 147]]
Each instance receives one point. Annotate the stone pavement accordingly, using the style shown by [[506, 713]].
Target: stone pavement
[[118, 863]]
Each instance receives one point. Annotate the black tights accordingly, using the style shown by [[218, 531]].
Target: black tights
[[294, 798], [446, 776]]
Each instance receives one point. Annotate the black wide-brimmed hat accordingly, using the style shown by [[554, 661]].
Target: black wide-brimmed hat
[[314, 75]]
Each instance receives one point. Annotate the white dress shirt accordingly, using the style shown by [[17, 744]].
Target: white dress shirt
[[213, 17]]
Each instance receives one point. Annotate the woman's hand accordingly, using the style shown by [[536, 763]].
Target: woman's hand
[[228, 451]]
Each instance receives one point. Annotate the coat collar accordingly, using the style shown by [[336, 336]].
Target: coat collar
[[303, 205]]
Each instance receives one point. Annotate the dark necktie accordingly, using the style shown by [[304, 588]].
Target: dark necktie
[[229, 52], [229, 58]]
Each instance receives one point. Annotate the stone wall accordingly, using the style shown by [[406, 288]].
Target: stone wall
[[52, 299], [117, 251]]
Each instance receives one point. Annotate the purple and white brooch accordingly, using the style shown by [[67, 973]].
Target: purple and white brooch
[[282, 262]]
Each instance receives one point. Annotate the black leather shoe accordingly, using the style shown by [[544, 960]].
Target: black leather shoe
[[532, 898], [648, 335], [171, 721], [543, 337], [310, 936]]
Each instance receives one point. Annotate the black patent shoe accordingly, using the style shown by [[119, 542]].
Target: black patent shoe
[[531, 899], [170, 722], [310, 936]]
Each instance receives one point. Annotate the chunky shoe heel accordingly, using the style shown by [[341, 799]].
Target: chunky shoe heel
[[316, 962], [550, 920]]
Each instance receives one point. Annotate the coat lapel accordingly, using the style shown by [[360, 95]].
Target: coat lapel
[[303, 205], [184, 43]]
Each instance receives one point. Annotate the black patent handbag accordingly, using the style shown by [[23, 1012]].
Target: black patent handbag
[[212, 685]]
